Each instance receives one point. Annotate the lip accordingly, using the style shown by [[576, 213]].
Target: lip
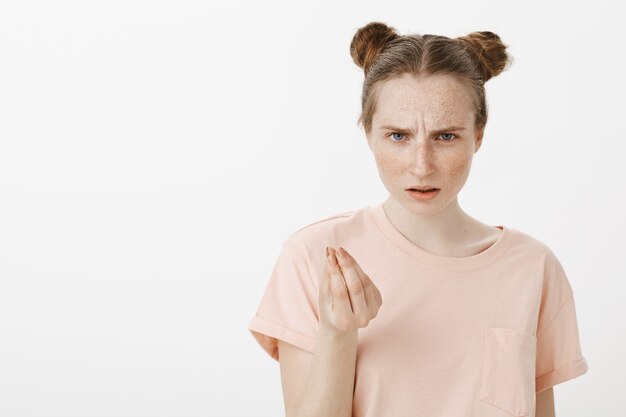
[[422, 187], [423, 196]]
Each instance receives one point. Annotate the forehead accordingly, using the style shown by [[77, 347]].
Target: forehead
[[435, 98]]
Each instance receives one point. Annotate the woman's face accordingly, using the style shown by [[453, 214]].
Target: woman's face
[[423, 135]]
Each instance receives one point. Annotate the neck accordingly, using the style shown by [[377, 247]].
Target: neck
[[438, 230]]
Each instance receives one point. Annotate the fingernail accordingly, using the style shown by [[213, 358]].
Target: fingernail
[[340, 257], [333, 259], [328, 257]]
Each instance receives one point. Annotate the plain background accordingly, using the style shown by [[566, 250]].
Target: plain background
[[155, 154]]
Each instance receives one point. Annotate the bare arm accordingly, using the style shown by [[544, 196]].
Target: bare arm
[[320, 384], [545, 403]]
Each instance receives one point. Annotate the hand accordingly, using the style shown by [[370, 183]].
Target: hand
[[348, 299]]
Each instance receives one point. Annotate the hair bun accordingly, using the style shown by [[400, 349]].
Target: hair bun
[[489, 52], [369, 41]]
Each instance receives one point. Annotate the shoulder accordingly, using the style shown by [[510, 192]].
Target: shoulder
[[534, 253], [529, 245], [329, 229]]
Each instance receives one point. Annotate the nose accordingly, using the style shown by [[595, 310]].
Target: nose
[[421, 160]]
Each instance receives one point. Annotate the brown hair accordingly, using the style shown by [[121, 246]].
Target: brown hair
[[384, 54]]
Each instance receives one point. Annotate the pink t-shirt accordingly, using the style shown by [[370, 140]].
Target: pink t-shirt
[[476, 336]]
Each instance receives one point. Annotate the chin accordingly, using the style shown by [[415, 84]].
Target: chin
[[423, 206]]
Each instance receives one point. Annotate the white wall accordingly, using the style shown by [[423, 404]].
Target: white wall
[[154, 155]]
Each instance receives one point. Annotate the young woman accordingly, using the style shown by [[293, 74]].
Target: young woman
[[477, 320]]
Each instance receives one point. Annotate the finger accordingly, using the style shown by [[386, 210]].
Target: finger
[[372, 299], [340, 299], [324, 285], [371, 291], [353, 282]]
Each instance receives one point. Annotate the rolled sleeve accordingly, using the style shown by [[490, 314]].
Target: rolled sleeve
[[559, 356], [288, 309]]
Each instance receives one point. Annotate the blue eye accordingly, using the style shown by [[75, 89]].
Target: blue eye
[[450, 140], [402, 134], [396, 133]]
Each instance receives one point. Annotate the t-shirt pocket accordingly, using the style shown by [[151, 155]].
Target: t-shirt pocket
[[508, 371]]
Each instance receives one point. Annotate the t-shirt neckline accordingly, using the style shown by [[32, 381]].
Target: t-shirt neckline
[[393, 235]]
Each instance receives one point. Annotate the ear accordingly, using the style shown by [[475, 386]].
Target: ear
[[479, 139]]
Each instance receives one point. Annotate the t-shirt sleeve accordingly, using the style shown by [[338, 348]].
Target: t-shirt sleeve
[[289, 306], [559, 356]]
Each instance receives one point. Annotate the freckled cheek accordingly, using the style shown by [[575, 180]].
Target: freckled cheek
[[390, 164], [457, 169]]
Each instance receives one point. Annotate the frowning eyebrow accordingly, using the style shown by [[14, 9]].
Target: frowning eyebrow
[[405, 130]]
